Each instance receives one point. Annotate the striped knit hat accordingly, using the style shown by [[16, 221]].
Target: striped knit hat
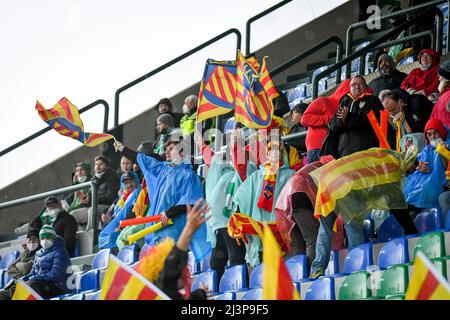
[[47, 231]]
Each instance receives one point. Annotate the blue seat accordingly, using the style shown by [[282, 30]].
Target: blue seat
[[96, 295], [389, 229], [193, 267], [8, 259], [78, 296], [253, 294], [234, 278], [77, 251], [90, 280], [321, 289], [256, 278], [204, 263], [333, 264], [209, 278], [225, 296], [322, 82], [368, 229], [297, 267], [128, 254], [144, 249], [428, 220], [101, 259], [359, 258], [393, 252], [406, 60]]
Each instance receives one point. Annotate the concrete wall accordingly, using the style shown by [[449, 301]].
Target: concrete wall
[[58, 173]]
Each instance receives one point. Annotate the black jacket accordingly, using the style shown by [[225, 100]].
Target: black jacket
[[298, 144], [107, 187], [355, 133], [391, 81]]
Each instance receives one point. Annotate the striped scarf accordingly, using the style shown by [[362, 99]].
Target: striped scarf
[[403, 129], [265, 201]]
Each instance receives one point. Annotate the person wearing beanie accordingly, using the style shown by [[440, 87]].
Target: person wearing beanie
[[424, 186], [441, 109], [296, 116], [164, 127], [50, 271], [22, 266], [389, 78], [165, 106], [423, 80]]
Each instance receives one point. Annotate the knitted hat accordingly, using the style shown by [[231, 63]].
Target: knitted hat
[[385, 56], [166, 119], [47, 231], [435, 124], [165, 101], [51, 200], [85, 166], [444, 69]]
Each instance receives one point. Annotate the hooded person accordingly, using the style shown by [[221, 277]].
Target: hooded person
[[441, 109], [122, 211], [165, 106], [164, 127], [316, 118], [389, 78], [423, 187], [257, 195], [423, 80], [50, 271]]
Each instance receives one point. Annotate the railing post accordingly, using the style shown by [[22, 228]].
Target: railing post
[[94, 219]]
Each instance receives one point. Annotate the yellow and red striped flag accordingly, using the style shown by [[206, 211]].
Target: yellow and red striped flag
[[65, 118], [25, 292], [121, 282], [277, 283], [426, 282]]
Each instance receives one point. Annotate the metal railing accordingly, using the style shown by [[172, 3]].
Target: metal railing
[[308, 52], [41, 132], [170, 63], [418, 8], [91, 185], [393, 32], [257, 17]]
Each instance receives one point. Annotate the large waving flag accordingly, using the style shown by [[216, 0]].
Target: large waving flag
[[426, 282], [241, 224], [121, 282], [255, 92], [25, 292], [64, 117], [217, 89], [277, 283]]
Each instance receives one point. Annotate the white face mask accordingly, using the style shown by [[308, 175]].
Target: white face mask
[[99, 175], [32, 246], [53, 213], [425, 67], [82, 179], [397, 116], [46, 243], [435, 142], [442, 85], [185, 109]]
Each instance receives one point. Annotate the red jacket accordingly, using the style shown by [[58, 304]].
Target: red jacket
[[424, 80], [440, 111], [319, 114]]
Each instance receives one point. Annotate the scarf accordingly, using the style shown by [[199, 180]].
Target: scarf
[[123, 199], [228, 206], [265, 201], [403, 129]]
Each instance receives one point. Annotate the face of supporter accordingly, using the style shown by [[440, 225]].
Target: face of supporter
[[99, 166], [53, 206], [433, 134], [125, 164], [274, 155], [162, 108], [392, 106], [129, 184], [296, 117], [426, 59], [189, 104], [80, 172], [172, 154], [33, 239], [357, 86], [160, 127], [385, 66]]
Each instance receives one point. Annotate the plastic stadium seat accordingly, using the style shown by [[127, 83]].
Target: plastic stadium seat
[[128, 254], [393, 281], [431, 244], [234, 278], [90, 280], [447, 221], [368, 229], [144, 249], [209, 278], [256, 278], [393, 252], [428, 220], [441, 266], [96, 295], [321, 289], [355, 286], [297, 267], [8, 259], [406, 60], [333, 264], [225, 296], [253, 294], [389, 229], [78, 296], [192, 265], [101, 259], [204, 263], [359, 258]]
